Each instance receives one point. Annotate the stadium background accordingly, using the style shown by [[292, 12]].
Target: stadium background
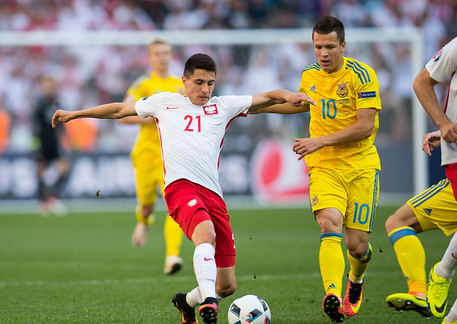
[[257, 164]]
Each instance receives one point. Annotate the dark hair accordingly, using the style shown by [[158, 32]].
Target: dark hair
[[328, 24], [199, 61]]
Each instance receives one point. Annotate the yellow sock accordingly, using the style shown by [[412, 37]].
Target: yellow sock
[[359, 265], [331, 263], [411, 257], [145, 220], [173, 237]]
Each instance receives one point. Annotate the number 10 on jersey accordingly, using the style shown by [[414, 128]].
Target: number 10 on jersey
[[328, 108]]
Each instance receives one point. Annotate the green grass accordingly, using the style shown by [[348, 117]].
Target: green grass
[[82, 268]]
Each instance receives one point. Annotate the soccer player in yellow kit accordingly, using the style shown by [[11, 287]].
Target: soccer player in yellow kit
[[343, 162], [146, 153]]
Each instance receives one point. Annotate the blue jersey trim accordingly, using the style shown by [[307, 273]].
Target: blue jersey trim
[[314, 66], [360, 71], [373, 204]]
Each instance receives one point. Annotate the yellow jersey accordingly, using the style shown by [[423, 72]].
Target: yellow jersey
[[147, 144], [338, 95]]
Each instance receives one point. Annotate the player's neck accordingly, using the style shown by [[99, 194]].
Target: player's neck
[[338, 67], [163, 74]]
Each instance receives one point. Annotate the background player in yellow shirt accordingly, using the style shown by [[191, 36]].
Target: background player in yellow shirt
[[146, 153], [343, 162]]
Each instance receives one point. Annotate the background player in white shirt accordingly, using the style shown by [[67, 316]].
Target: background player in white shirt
[[192, 129], [434, 208]]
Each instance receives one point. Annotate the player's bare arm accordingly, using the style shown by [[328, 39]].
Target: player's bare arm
[[423, 87], [361, 129], [133, 120], [113, 110], [280, 101], [430, 141]]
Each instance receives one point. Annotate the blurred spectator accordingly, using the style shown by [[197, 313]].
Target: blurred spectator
[[52, 166], [352, 14], [82, 135], [5, 123], [238, 15]]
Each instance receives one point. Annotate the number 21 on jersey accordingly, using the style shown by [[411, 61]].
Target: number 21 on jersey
[[193, 123]]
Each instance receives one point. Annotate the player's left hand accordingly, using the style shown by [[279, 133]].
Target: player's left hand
[[305, 146]]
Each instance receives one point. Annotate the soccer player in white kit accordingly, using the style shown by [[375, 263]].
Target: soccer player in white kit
[[192, 129], [434, 208]]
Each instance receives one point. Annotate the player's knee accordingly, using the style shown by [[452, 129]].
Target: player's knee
[[404, 216], [147, 210], [227, 290], [329, 226], [329, 221], [204, 233], [209, 236], [394, 221], [389, 225], [357, 251]]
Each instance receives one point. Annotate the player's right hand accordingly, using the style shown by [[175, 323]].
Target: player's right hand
[[62, 116], [299, 99]]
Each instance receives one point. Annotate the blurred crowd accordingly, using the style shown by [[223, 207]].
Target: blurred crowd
[[87, 76]]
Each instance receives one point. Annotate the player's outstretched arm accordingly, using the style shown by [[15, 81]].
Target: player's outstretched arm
[[280, 101], [133, 120], [430, 141], [113, 110]]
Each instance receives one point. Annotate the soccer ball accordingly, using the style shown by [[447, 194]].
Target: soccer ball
[[249, 309]]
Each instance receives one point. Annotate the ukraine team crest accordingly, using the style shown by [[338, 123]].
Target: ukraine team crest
[[342, 89]]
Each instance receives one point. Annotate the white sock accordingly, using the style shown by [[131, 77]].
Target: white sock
[[219, 298], [452, 316], [194, 297], [205, 270], [446, 267]]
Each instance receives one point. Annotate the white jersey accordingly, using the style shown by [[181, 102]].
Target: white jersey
[[442, 65], [191, 136]]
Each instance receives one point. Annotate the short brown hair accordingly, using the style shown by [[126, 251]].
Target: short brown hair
[[328, 24]]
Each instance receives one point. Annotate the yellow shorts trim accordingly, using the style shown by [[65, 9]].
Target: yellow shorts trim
[[436, 207], [354, 193]]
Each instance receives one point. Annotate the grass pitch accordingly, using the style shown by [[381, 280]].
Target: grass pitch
[[82, 268]]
